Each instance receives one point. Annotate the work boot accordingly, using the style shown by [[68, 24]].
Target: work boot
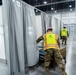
[[46, 68], [64, 73]]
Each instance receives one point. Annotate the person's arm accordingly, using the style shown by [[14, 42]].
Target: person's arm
[[68, 33], [58, 42], [60, 35], [39, 39]]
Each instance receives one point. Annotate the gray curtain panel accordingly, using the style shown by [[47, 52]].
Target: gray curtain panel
[[59, 28], [15, 32], [43, 15], [21, 29], [46, 21], [50, 21], [30, 34], [6, 12], [18, 40], [56, 26]]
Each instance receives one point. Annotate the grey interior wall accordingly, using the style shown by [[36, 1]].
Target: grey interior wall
[[67, 17], [71, 28]]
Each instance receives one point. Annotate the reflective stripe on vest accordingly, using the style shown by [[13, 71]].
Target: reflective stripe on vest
[[51, 45], [50, 41]]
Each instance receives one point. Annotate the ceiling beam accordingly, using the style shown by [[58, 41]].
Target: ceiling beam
[[41, 5]]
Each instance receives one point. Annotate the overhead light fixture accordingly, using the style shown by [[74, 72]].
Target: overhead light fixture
[[70, 6], [13, 0], [52, 8], [71, 9], [36, 10], [55, 11], [45, 2]]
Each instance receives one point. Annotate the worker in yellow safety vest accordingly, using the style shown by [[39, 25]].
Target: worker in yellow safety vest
[[51, 45], [64, 34]]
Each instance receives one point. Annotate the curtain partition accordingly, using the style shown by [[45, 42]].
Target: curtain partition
[[20, 35], [46, 21], [30, 32], [43, 16]]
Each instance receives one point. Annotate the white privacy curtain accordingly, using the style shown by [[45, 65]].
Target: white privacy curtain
[[6, 12], [15, 35], [43, 20], [20, 35], [39, 25], [54, 25], [30, 34], [46, 21], [2, 41], [61, 24], [59, 27], [39, 28]]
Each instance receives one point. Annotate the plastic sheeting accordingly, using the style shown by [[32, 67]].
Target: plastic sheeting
[[20, 27]]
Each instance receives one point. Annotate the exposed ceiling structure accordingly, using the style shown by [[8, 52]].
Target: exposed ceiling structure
[[0, 2], [53, 5]]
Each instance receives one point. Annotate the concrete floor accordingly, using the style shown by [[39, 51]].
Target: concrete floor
[[71, 56], [70, 65], [3, 69]]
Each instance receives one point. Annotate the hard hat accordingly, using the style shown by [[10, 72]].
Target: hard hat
[[49, 28]]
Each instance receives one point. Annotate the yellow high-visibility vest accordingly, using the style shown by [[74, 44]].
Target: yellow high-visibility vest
[[64, 32], [50, 41]]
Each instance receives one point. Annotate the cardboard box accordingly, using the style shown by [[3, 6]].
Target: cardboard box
[[63, 52]]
